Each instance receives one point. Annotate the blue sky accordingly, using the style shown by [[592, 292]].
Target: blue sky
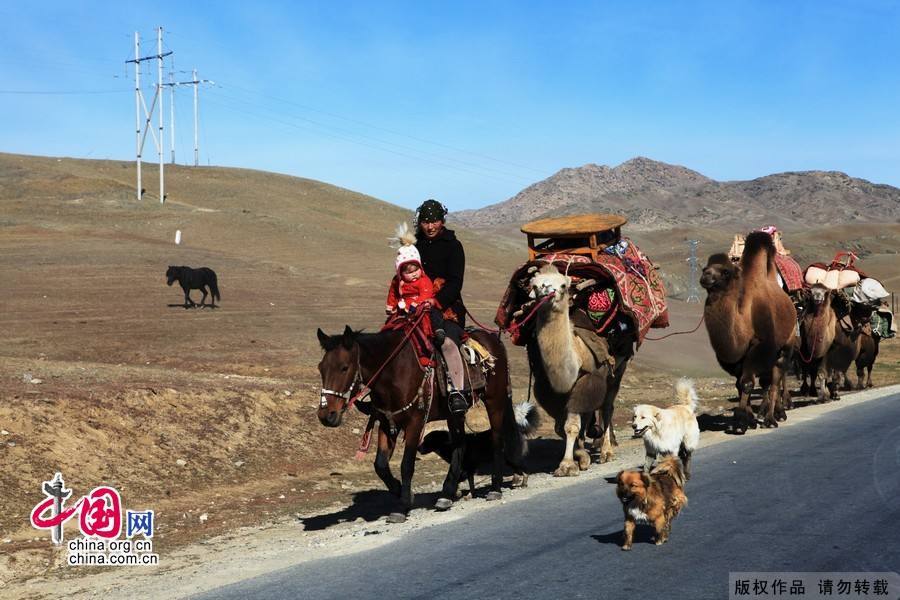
[[468, 102]]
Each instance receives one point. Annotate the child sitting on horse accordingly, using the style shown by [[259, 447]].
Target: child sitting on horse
[[410, 287], [409, 290]]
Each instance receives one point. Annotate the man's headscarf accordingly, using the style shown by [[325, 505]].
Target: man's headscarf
[[431, 210]]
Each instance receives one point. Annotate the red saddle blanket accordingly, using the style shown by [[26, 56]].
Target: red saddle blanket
[[790, 272], [640, 289], [420, 337]]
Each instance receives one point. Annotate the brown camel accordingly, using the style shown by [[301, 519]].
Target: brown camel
[[817, 330], [865, 360], [845, 349], [750, 321]]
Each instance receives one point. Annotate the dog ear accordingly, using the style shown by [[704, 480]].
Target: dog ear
[[645, 477], [322, 338]]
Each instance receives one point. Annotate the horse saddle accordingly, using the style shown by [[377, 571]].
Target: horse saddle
[[477, 361]]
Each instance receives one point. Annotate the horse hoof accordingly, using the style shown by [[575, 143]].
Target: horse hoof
[[494, 495], [396, 518], [443, 503], [771, 424]]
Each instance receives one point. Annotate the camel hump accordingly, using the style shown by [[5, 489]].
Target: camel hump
[[685, 393], [759, 249]]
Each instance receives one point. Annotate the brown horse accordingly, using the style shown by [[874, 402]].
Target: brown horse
[[352, 359]]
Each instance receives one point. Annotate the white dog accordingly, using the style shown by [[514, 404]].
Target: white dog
[[669, 431]]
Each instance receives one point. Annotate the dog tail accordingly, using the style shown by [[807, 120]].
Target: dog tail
[[518, 423], [672, 467], [685, 393], [528, 419]]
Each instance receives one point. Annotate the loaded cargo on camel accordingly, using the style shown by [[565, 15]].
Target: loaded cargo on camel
[[581, 305]]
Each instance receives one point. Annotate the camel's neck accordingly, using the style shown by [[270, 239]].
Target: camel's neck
[[820, 330], [725, 323], [557, 344]]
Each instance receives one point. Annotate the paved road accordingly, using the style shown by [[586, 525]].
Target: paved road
[[823, 495]]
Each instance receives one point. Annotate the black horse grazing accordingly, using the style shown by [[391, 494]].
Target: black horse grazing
[[352, 359], [195, 279]]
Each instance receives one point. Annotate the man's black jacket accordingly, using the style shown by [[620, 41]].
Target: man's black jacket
[[443, 258]]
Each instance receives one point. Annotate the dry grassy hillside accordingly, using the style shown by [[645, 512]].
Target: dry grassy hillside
[[212, 411]]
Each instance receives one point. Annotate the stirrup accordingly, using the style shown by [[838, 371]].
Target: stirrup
[[457, 402]]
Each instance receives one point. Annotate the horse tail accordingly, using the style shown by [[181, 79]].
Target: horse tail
[[214, 286]]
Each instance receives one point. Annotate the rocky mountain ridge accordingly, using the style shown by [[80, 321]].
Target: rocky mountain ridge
[[656, 195]]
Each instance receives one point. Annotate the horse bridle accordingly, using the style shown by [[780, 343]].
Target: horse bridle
[[357, 379]]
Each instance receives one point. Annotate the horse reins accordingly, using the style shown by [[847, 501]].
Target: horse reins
[[366, 388]]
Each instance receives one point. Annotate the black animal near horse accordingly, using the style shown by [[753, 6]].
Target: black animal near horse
[[195, 279], [353, 358]]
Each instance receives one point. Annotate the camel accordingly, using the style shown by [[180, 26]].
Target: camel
[[865, 360], [843, 351], [817, 331], [848, 337], [570, 382], [750, 322]]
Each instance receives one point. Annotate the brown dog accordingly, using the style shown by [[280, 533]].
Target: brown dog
[[653, 499]]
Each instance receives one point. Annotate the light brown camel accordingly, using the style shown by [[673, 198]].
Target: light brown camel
[[750, 322], [570, 383], [817, 330]]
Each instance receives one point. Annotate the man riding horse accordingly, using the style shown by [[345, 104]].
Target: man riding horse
[[444, 262]]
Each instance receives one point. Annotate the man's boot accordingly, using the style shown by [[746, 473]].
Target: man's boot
[[457, 401]]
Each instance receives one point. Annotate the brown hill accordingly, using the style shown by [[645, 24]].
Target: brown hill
[[189, 411], [655, 195]]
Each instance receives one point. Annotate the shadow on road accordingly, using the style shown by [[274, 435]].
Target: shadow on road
[[713, 422], [643, 534], [370, 505]]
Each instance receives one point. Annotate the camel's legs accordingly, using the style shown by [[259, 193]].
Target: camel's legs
[[568, 467], [821, 379], [743, 414]]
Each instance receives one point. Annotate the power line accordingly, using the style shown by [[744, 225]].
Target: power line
[[59, 93], [387, 130], [341, 133], [351, 140]]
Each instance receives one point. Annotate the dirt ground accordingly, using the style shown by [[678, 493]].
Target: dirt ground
[[211, 412]]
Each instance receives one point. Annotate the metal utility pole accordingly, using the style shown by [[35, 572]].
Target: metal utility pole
[[693, 292], [172, 116], [159, 92], [140, 103], [137, 108], [196, 121], [196, 83]]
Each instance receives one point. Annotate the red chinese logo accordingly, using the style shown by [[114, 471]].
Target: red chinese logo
[[100, 513]]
